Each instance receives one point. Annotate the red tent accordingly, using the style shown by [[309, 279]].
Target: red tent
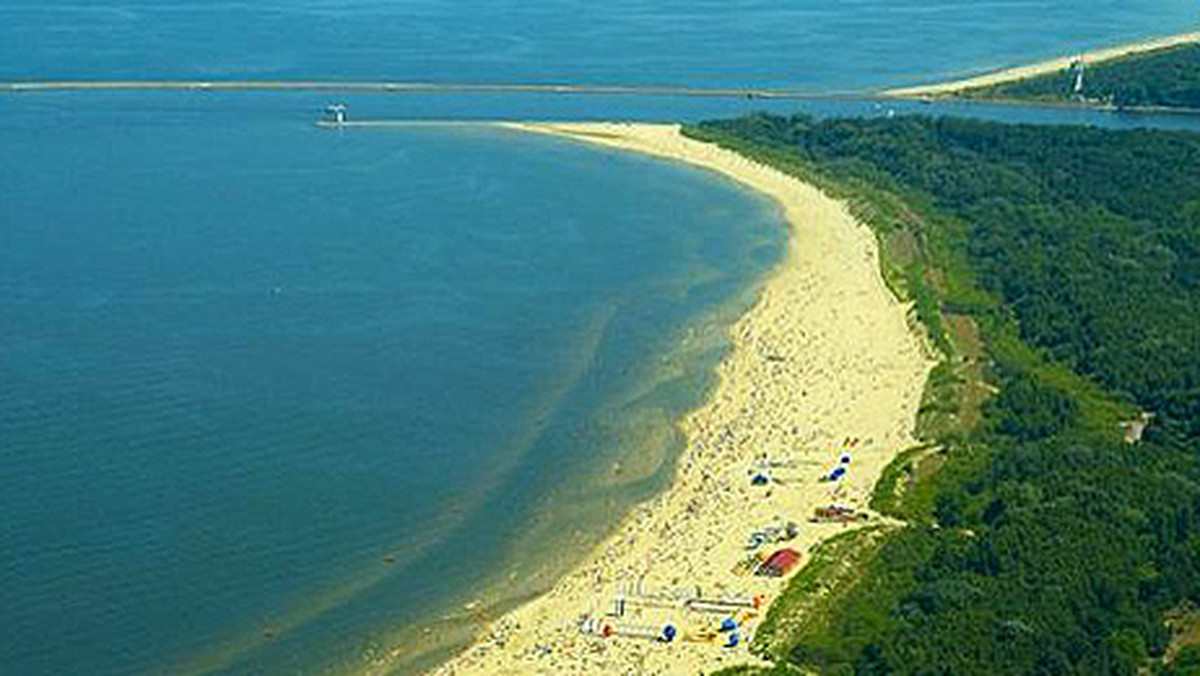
[[779, 563]]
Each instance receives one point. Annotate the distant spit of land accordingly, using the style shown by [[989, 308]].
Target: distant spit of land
[[955, 88]]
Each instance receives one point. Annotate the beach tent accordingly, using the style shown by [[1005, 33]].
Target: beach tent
[[779, 563]]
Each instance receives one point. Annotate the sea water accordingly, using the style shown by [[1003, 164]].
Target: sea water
[[269, 391], [275, 398], [815, 45]]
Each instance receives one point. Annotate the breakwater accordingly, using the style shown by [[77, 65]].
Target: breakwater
[[377, 87]]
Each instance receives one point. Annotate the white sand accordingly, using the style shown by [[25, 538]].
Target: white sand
[[1051, 66], [825, 355]]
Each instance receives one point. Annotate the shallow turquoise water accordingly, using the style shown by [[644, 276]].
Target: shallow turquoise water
[[271, 396]]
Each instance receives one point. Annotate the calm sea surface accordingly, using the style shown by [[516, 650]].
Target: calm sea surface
[[266, 390], [820, 45], [276, 399]]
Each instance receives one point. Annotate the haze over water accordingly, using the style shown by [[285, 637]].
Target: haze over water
[[270, 395]]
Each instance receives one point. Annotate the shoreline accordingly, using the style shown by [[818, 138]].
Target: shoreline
[[954, 87], [823, 364]]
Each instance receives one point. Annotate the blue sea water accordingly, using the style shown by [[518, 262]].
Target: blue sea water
[[278, 399], [818, 45], [267, 390]]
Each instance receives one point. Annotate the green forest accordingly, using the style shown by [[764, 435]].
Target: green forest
[[1058, 271], [1168, 78]]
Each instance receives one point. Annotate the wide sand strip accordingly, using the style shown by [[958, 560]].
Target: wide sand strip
[[1043, 68], [823, 365]]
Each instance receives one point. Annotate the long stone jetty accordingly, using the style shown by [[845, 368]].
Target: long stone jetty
[[385, 87]]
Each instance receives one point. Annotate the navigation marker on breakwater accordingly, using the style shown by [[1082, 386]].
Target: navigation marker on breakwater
[[336, 114]]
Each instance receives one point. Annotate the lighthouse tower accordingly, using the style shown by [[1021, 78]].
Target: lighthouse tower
[[1077, 67]]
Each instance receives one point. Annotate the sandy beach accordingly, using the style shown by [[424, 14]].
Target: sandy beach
[[1032, 70], [824, 365]]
